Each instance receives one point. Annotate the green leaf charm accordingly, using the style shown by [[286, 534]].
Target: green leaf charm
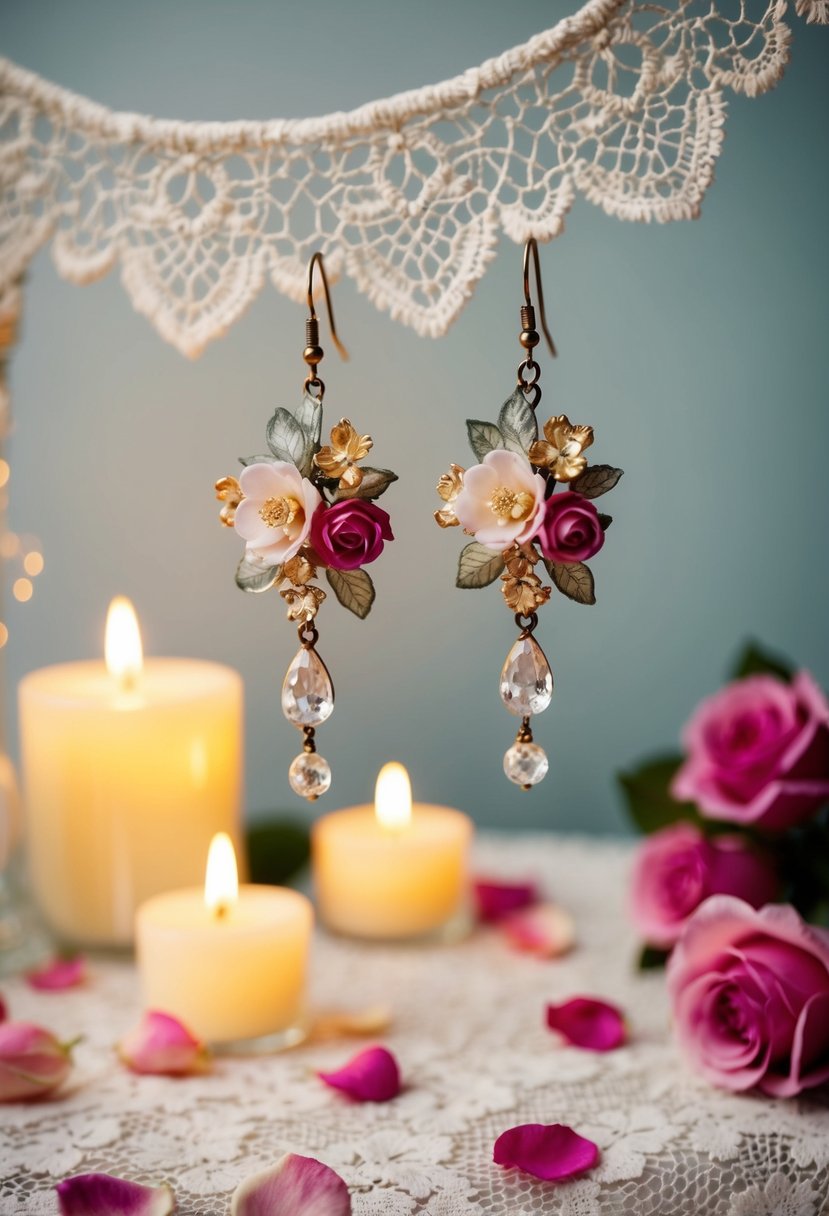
[[478, 566], [518, 424], [756, 661], [574, 580], [288, 441], [309, 417], [483, 437], [375, 482], [254, 574], [354, 589], [597, 479], [647, 793]]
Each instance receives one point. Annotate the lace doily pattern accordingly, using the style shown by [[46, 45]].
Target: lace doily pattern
[[476, 1060], [623, 103]]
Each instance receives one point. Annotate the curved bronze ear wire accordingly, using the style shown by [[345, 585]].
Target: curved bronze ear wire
[[313, 352], [531, 247]]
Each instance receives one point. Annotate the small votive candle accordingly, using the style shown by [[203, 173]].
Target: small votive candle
[[228, 961], [391, 870]]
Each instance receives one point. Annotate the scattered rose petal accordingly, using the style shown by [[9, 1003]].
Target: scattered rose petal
[[296, 1186], [102, 1195], [550, 1151], [59, 974], [163, 1045], [495, 900], [546, 930], [370, 1076], [341, 1023], [32, 1061], [4, 1012], [589, 1023]]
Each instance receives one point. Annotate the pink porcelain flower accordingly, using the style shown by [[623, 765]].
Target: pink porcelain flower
[[677, 868], [274, 517], [758, 753], [350, 534], [32, 1061], [750, 997], [162, 1045], [570, 530], [502, 500]]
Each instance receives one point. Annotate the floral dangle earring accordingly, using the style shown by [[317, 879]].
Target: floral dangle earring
[[509, 505], [300, 508]]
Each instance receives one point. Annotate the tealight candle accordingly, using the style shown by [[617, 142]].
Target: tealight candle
[[129, 769], [391, 870], [228, 961]]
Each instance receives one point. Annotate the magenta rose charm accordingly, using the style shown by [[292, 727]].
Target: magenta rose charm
[[522, 530], [302, 509]]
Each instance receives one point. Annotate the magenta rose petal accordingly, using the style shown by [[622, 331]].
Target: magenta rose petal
[[587, 1022], [103, 1195], [4, 1012], [494, 900], [162, 1045], [58, 975], [372, 1075], [544, 930], [32, 1061], [296, 1186], [550, 1151]]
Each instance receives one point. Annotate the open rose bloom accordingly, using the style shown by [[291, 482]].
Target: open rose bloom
[[274, 518], [502, 500], [750, 997], [758, 753]]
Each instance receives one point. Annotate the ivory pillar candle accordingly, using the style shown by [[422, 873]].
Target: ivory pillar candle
[[228, 961], [391, 870], [128, 772]]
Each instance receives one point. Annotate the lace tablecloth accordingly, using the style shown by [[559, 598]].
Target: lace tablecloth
[[469, 1034]]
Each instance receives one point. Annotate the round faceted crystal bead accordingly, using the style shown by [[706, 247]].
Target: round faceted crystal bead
[[526, 763], [309, 775]]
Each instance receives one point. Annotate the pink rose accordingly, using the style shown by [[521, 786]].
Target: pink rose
[[750, 997], [758, 753], [350, 533], [570, 530], [677, 868], [32, 1061]]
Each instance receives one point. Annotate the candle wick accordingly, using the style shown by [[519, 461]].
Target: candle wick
[[221, 911], [128, 681]]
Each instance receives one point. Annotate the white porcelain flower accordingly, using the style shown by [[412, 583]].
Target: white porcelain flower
[[502, 500], [274, 516]]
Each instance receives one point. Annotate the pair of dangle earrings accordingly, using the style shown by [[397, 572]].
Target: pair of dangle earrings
[[306, 507]]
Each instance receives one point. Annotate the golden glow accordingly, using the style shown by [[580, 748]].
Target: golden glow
[[393, 797], [22, 590], [9, 545], [4, 472], [122, 647], [221, 882], [33, 563], [4, 635]]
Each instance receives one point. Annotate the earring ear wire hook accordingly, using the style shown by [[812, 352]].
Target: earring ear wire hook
[[531, 247], [317, 260]]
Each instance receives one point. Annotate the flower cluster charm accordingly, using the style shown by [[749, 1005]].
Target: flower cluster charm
[[302, 509], [507, 504]]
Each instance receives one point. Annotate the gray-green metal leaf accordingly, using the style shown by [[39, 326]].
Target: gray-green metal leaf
[[483, 437], [375, 482], [574, 580], [354, 589], [518, 424], [288, 441], [478, 566], [256, 575]]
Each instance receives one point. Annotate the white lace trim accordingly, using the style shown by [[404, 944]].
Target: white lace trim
[[622, 103]]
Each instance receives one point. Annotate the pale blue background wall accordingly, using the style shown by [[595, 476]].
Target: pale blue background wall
[[697, 350]]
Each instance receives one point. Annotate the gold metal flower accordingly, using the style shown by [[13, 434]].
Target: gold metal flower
[[229, 492], [340, 458], [449, 487], [562, 451], [300, 569], [525, 594], [303, 602], [520, 559]]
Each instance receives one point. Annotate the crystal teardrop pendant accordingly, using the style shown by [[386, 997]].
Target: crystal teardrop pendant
[[526, 679], [307, 691]]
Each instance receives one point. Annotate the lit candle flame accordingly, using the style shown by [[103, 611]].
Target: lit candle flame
[[393, 797], [122, 647], [221, 882]]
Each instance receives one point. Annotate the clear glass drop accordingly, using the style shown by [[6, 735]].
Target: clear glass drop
[[526, 764], [307, 691], [526, 679], [309, 775]]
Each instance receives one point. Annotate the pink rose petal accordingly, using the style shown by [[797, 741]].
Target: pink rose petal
[[32, 1061], [4, 1012], [494, 899], [296, 1186], [371, 1076], [549, 1151], [59, 974], [163, 1045], [589, 1023], [545, 930], [102, 1195]]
